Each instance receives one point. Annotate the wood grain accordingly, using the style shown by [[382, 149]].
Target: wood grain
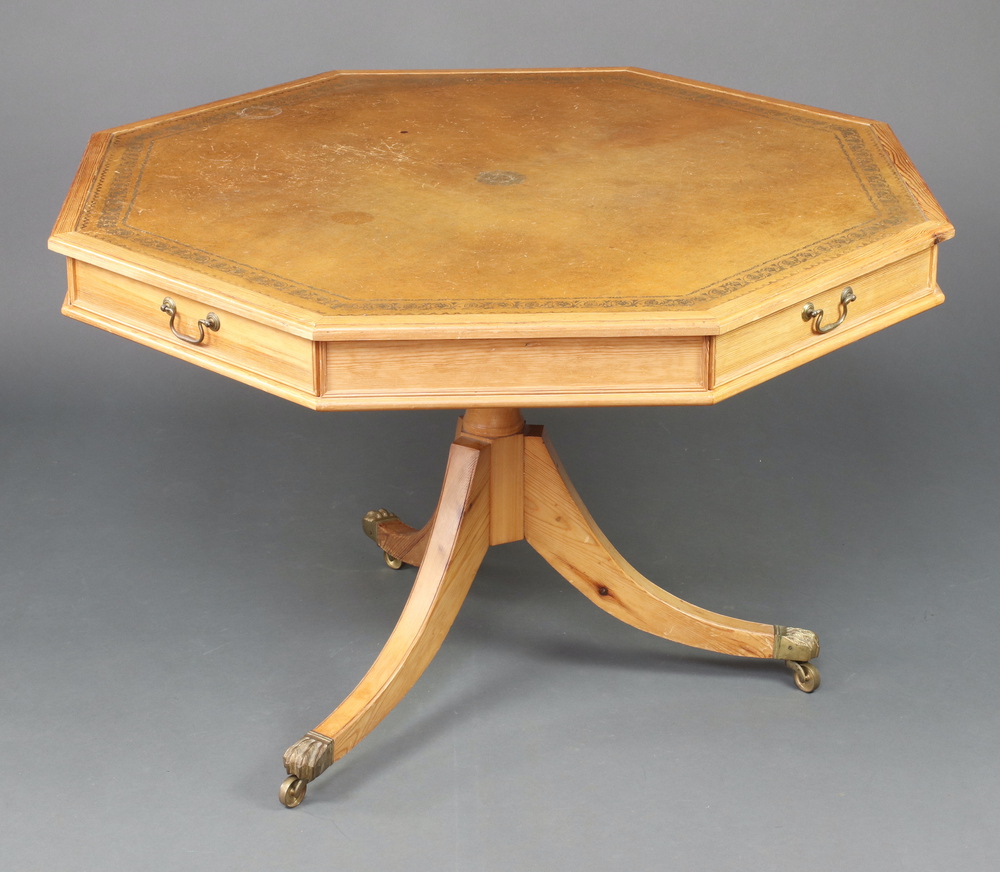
[[90, 166], [491, 423], [458, 540], [135, 307], [918, 187], [482, 373], [474, 239], [785, 333], [873, 324], [559, 527], [404, 542], [507, 489], [514, 367]]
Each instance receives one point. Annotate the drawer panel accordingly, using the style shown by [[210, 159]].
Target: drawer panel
[[584, 367], [785, 335], [131, 308]]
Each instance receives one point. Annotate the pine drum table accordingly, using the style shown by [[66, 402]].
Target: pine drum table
[[491, 241]]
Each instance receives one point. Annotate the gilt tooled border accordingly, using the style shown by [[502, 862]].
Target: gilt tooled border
[[110, 199]]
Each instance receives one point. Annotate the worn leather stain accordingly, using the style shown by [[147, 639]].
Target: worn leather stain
[[500, 178]]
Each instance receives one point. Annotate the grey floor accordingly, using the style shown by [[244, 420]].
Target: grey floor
[[185, 589]]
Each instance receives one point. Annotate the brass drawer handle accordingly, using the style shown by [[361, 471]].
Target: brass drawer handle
[[810, 311], [211, 321]]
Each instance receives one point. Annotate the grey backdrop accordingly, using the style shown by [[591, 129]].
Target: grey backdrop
[[184, 587]]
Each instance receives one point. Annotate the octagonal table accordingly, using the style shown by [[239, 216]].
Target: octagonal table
[[493, 240]]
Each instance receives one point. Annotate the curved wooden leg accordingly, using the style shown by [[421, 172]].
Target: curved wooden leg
[[400, 542], [458, 540], [559, 527]]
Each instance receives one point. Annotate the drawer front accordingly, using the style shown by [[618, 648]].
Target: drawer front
[[884, 296], [131, 308], [454, 373]]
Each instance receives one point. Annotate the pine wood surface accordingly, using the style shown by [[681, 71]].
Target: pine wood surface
[[503, 430], [559, 527], [616, 372], [475, 373], [833, 341], [490, 423], [517, 367], [784, 333], [450, 239], [404, 542], [504, 476], [240, 341], [458, 541], [501, 239]]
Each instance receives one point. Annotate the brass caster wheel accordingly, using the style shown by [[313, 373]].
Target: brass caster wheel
[[805, 674], [392, 562], [292, 791]]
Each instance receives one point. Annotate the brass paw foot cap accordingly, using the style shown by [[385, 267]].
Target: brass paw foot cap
[[309, 757], [370, 522], [793, 643]]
